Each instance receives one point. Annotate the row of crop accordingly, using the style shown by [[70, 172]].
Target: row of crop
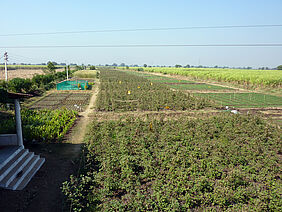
[[44, 125], [72, 101], [265, 78], [228, 162], [121, 91]]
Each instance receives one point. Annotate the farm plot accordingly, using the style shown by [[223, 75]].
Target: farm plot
[[221, 163], [258, 78], [71, 101], [121, 91], [243, 100], [182, 84], [40, 125]]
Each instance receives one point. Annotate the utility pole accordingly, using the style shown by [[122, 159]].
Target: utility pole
[[6, 60]]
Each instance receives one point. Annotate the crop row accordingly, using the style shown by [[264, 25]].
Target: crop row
[[121, 91], [264, 78], [228, 162], [44, 125], [71, 101]]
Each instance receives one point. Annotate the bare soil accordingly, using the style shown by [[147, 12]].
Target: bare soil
[[22, 73]]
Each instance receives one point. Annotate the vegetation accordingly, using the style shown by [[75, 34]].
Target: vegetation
[[70, 101], [51, 69], [37, 83], [264, 78], [121, 91], [228, 162], [92, 73], [243, 100], [92, 68], [45, 125]]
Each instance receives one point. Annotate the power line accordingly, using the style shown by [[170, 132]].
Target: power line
[[144, 29], [146, 46]]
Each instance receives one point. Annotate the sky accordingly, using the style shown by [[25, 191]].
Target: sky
[[32, 16]]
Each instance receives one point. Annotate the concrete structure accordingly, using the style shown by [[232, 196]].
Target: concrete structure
[[17, 164]]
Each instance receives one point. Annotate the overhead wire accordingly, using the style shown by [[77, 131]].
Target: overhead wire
[[143, 29], [146, 46]]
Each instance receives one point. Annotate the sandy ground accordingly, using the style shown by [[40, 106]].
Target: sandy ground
[[22, 73]]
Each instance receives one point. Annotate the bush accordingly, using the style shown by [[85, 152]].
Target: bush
[[92, 68], [19, 85]]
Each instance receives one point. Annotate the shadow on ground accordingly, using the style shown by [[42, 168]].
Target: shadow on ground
[[43, 193]]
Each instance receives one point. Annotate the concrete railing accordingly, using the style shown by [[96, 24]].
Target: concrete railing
[[8, 140]]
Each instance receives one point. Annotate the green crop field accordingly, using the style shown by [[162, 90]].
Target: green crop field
[[243, 100], [180, 84], [222, 163], [122, 91], [264, 78]]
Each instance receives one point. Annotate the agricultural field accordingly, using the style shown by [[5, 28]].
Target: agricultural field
[[23, 73], [182, 84], [86, 74], [225, 162], [213, 161], [40, 126], [77, 101], [243, 100], [122, 91], [259, 78], [222, 96]]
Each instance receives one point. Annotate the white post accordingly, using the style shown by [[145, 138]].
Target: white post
[[67, 72], [18, 122], [6, 72]]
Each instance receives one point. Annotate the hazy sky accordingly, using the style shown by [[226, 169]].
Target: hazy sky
[[18, 16]]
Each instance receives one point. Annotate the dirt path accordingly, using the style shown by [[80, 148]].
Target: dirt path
[[80, 129]]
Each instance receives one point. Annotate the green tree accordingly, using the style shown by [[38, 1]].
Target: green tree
[[279, 67], [145, 65], [51, 67]]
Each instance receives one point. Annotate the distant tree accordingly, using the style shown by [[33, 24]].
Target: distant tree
[[122, 64], [178, 66], [145, 65], [127, 67], [92, 68], [114, 64], [51, 69], [279, 67], [187, 66]]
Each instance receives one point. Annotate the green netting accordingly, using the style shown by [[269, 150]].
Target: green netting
[[73, 85]]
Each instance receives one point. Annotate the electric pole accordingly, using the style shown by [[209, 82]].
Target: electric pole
[[6, 60]]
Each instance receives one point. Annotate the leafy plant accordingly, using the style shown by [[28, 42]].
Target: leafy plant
[[226, 162]]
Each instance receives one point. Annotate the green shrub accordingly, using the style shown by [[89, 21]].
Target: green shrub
[[222, 163]]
